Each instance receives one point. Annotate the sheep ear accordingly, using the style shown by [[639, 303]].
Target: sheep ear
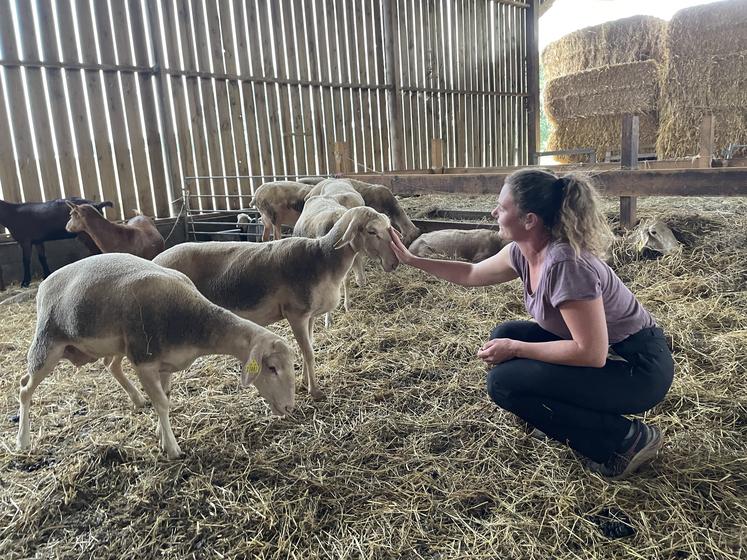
[[252, 368], [349, 235], [71, 205]]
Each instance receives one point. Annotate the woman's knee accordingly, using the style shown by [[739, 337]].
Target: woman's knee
[[499, 384], [511, 329]]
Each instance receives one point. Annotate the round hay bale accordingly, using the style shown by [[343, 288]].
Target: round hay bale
[[611, 90], [633, 39], [601, 133], [705, 73]]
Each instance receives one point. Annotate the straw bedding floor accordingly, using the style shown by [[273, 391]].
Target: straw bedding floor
[[407, 458]]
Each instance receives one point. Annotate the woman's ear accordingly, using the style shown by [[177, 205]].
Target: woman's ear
[[531, 220]]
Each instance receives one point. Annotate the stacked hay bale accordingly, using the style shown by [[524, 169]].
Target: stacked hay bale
[[705, 72], [596, 75]]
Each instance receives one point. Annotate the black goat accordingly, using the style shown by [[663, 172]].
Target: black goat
[[33, 223]]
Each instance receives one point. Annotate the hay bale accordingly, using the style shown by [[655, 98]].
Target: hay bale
[[612, 90], [601, 133], [633, 39], [705, 73]]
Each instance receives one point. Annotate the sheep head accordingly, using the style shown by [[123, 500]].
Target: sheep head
[[270, 369], [368, 231]]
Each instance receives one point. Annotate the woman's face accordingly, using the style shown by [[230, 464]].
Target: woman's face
[[508, 216]]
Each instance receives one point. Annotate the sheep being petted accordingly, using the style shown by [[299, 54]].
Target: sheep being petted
[[295, 278], [116, 305]]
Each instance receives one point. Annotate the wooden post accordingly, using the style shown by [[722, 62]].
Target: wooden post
[[342, 157], [707, 128], [532, 68], [629, 160], [391, 26], [437, 155]]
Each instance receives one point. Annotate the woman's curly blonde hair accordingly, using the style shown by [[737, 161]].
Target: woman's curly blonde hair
[[568, 206]]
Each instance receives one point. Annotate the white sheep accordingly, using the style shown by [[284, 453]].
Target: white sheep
[[474, 245], [341, 190], [319, 216], [244, 223], [279, 202], [381, 199], [296, 278], [116, 305]]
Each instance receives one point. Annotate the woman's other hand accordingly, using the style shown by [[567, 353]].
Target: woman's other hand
[[402, 252], [496, 351]]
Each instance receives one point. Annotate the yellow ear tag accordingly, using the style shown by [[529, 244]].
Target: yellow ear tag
[[252, 367]]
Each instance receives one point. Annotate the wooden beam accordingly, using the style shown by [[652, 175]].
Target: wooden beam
[[532, 69], [725, 181], [342, 157], [437, 155], [629, 160], [393, 93], [707, 128]]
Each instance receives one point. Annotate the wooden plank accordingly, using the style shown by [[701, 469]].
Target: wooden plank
[[8, 171], [405, 54], [296, 55], [264, 141], [15, 98], [234, 50], [424, 136], [88, 179], [469, 73], [116, 113], [324, 117], [153, 200], [271, 92], [392, 77], [131, 96], [209, 153], [279, 43], [628, 160], [221, 45], [35, 87], [64, 136], [343, 163], [247, 96], [437, 155], [98, 113], [481, 108], [727, 181], [377, 72], [460, 83], [361, 96], [366, 73], [309, 95], [707, 148]]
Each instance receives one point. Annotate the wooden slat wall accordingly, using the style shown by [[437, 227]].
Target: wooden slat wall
[[132, 100]]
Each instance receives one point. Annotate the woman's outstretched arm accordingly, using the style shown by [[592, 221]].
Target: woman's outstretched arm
[[495, 270]]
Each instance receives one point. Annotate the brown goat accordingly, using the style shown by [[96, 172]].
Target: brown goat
[[139, 236]]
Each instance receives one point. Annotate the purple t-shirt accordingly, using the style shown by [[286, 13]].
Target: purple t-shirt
[[567, 278]]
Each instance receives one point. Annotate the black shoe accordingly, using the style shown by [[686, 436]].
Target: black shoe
[[643, 447]]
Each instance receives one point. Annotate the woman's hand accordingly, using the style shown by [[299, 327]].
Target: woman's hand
[[496, 351], [403, 254]]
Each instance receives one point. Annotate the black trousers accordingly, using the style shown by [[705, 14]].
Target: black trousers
[[583, 406]]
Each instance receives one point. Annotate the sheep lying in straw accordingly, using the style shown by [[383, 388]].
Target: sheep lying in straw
[[279, 202], [139, 236], [472, 245], [294, 278], [121, 305]]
